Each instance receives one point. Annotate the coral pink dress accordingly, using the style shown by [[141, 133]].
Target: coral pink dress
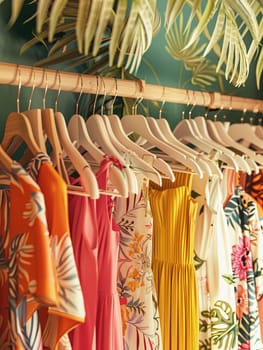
[[109, 326], [95, 238]]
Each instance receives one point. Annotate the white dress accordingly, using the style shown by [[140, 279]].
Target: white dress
[[217, 311]]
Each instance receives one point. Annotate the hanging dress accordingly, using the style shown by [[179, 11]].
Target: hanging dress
[[247, 266], [69, 311], [174, 213], [84, 235], [108, 322], [140, 316], [217, 307], [27, 275]]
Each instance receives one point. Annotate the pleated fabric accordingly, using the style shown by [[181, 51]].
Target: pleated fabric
[[174, 213]]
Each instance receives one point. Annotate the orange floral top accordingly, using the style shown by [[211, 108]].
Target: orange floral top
[[70, 311], [27, 276]]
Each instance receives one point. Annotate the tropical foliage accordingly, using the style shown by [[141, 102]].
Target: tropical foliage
[[117, 33]]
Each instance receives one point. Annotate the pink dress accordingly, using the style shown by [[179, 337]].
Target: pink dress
[[84, 235], [95, 238], [109, 326]]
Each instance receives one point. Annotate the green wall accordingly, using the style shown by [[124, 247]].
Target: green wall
[[166, 72]]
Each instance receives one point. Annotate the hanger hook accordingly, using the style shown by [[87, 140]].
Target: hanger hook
[[162, 105], [114, 98], [59, 91], [193, 106], [96, 96], [187, 104], [19, 89], [45, 93], [138, 99], [104, 95], [80, 94], [33, 89], [243, 115]]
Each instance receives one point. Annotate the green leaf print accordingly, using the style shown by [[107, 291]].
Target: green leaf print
[[205, 344], [229, 279], [223, 325], [198, 262], [136, 306], [203, 324]]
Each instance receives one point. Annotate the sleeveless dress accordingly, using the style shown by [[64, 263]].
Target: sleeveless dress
[[95, 238], [84, 235], [174, 213], [217, 306], [108, 324], [247, 265], [140, 316]]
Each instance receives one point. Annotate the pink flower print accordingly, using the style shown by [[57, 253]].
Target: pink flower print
[[241, 302], [245, 346], [241, 260]]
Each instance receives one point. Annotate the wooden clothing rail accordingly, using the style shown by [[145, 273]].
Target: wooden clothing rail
[[13, 74]]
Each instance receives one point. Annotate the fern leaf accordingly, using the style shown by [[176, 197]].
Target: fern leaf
[[42, 13], [16, 9], [83, 11], [91, 25], [208, 13], [217, 31], [103, 22], [259, 68], [55, 15], [173, 9], [117, 28]]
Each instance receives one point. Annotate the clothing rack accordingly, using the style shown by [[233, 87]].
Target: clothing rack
[[13, 74]]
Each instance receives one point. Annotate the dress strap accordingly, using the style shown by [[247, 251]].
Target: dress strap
[[103, 172]]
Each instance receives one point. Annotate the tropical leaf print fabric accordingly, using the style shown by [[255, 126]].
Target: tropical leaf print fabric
[[217, 318], [140, 317], [24, 248], [247, 266], [69, 311]]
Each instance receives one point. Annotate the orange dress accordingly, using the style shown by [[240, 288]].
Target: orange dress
[[69, 311], [27, 276]]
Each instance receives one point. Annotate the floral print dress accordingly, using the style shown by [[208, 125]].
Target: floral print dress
[[140, 317], [247, 266], [217, 317]]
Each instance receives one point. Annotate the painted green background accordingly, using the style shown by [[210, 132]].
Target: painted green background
[[167, 69]]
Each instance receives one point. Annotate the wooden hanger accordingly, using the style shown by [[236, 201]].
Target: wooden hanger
[[79, 135], [244, 131], [157, 163], [99, 134], [218, 133], [201, 125], [80, 164], [208, 166], [5, 160], [137, 123], [17, 124]]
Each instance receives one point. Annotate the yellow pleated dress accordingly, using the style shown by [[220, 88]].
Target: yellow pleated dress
[[174, 212]]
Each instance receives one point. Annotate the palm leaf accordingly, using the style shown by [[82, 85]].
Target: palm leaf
[[16, 9], [259, 68], [204, 74], [42, 13], [202, 23], [117, 28], [55, 15], [173, 9], [141, 22], [83, 11], [217, 31], [103, 21], [177, 40], [91, 25], [246, 13]]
